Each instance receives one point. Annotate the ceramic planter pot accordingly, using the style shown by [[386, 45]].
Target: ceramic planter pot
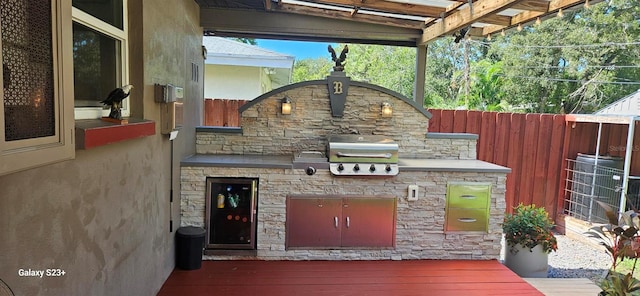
[[527, 264]]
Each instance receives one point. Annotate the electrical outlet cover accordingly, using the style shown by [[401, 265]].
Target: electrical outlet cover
[[412, 194]]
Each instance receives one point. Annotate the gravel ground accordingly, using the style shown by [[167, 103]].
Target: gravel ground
[[576, 259]]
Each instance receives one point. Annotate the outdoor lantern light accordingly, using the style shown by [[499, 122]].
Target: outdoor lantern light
[[387, 110], [286, 106]]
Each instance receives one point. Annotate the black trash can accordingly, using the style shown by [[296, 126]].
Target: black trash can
[[190, 244]]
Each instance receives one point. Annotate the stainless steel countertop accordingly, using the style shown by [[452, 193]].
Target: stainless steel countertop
[[286, 162]]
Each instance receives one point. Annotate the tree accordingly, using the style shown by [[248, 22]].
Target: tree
[[445, 80], [579, 61], [486, 87], [388, 66], [245, 40], [311, 69], [394, 68]]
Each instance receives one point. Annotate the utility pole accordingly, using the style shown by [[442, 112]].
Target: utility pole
[[465, 44]]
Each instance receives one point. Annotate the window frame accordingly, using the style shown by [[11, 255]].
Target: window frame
[[122, 36], [29, 153]]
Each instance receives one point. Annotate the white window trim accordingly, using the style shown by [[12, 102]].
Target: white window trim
[[94, 23], [29, 153]]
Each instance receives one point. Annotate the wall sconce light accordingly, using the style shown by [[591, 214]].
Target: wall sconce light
[[286, 106], [386, 110]]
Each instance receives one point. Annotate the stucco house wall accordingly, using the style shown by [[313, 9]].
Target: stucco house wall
[[104, 217], [233, 82], [239, 71]]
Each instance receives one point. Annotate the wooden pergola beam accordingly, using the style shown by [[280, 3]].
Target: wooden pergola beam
[[389, 6], [519, 19], [464, 17], [495, 19], [430, 19], [533, 5], [291, 26], [349, 15], [530, 16]]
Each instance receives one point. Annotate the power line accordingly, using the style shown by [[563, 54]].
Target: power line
[[573, 80], [628, 82], [605, 44], [607, 67]]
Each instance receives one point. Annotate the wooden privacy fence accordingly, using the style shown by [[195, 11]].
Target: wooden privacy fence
[[535, 146], [222, 112], [530, 144]]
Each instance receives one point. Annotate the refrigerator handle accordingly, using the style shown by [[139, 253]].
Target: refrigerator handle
[[253, 200]]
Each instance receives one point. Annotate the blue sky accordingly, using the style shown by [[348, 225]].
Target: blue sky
[[299, 49]]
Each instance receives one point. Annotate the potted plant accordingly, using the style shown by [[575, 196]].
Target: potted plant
[[529, 240]]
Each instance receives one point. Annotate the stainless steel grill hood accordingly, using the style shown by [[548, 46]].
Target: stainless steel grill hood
[[359, 155]]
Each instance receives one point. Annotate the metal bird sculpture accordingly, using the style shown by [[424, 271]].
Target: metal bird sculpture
[[460, 34], [339, 60], [114, 99]]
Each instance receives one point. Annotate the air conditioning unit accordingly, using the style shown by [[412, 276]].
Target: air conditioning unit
[[633, 194]]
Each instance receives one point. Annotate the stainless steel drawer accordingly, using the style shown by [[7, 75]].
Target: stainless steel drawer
[[468, 195], [466, 220]]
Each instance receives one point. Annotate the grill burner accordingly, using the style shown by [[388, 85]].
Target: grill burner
[[357, 155]]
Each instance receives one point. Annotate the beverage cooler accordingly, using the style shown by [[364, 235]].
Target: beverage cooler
[[231, 213]]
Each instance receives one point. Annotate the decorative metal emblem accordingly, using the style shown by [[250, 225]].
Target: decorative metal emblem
[[338, 82]]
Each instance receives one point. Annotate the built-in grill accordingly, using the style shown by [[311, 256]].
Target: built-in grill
[[358, 155]]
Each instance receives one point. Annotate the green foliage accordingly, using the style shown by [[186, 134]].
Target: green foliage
[[486, 87], [311, 69], [245, 40], [445, 80], [568, 59], [622, 241], [529, 226], [618, 284], [388, 66], [575, 64], [620, 237]]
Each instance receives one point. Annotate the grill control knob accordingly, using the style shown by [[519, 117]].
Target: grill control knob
[[310, 170], [356, 167], [372, 168], [340, 167], [387, 168]]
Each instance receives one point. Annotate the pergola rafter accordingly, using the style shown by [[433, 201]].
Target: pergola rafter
[[389, 22], [429, 19]]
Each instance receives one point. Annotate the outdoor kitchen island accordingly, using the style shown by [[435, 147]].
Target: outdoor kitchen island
[[392, 192]]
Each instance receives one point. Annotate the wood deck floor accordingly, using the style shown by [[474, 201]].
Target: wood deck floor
[[308, 278]]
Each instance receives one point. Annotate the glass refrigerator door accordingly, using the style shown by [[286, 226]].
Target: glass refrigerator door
[[231, 213]]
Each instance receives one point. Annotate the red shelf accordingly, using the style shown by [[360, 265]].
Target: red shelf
[[93, 133]]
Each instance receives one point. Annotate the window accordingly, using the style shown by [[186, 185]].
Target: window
[[36, 113], [99, 55]]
